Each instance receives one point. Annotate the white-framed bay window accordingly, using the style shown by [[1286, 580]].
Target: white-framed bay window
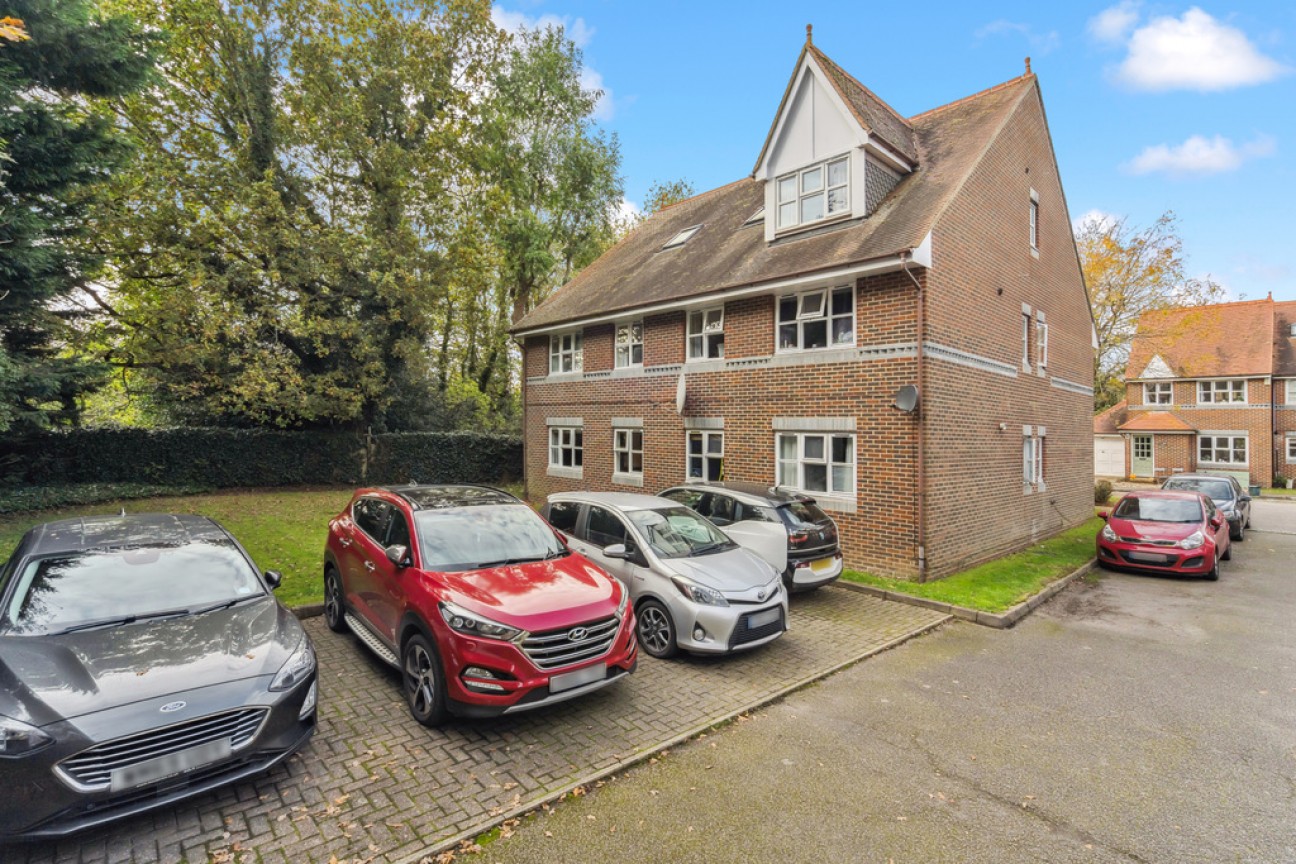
[[822, 462], [566, 353], [1223, 448], [823, 318], [705, 459], [706, 334], [629, 344], [1221, 392], [1041, 341], [1158, 393], [820, 191]]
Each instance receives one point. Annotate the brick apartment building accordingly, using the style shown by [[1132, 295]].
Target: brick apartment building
[[1211, 388], [762, 330]]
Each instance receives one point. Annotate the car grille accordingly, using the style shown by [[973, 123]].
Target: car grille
[[743, 634], [1143, 541], [556, 648], [92, 769]]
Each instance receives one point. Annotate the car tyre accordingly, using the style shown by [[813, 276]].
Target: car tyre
[[1213, 574], [334, 613], [1228, 553], [656, 630], [424, 682], [1239, 535]]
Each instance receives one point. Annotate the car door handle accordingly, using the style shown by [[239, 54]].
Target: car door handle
[[345, 541], [369, 565]]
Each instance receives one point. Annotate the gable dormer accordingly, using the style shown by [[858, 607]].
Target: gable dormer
[[1157, 368], [833, 152]]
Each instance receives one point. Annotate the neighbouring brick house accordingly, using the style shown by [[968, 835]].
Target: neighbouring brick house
[[1212, 388], [762, 330]]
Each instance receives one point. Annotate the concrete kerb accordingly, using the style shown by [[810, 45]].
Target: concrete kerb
[[999, 620], [630, 761]]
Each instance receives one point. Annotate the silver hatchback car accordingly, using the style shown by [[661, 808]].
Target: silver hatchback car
[[693, 588]]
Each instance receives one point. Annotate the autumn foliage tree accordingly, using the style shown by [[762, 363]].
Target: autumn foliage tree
[[1130, 271]]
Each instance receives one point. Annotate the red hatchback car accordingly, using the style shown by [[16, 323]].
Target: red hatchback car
[[475, 599], [1165, 532]]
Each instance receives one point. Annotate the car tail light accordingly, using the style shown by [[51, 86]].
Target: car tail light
[[798, 538]]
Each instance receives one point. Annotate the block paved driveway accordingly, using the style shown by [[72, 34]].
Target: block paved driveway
[[373, 785]]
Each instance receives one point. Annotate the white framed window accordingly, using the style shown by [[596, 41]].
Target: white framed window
[[1222, 449], [566, 353], [816, 462], [566, 447], [1026, 330], [818, 192], [629, 344], [1291, 449], [1033, 441], [1034, 220], [1158, 393], [706, 334], [816, 319], [1041, 340], [627, 452], [1291, 391], [1220, 392], [705, 455]]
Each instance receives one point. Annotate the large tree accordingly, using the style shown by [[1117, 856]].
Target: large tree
[[57, 152], [1129, 271]]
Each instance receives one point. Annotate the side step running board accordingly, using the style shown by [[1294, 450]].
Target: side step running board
[[369, 638]]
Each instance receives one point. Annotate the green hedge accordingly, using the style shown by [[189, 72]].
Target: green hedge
[[223, 458], [25, 499]]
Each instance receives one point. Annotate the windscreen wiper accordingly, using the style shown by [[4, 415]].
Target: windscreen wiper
[[126, 619], [225, 604]]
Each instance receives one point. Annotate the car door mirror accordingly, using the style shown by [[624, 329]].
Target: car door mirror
[[616, 550], [1244, 499], [1216, 521], [398, 555], [273, 578], [1103, 514]]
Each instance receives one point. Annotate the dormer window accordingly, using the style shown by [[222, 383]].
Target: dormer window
[[821, 191]]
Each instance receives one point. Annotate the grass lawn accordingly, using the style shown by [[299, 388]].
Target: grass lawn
[[1001, 584], [1279, 493]]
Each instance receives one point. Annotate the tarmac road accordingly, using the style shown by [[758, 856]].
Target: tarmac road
[[1131, 719]]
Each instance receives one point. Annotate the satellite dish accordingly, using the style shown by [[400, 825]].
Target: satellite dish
[[906, 399], [681, 393]]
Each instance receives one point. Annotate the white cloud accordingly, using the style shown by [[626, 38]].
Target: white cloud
[[1199, 156], [1194, 52], [627, 210], [577, 30], [1040, 43], [1101, 218], [1114, 23], [591, 80]]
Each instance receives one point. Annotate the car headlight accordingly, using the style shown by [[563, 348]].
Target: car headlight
[[296, 668], [699, 594], [624, 602], [1192, 541], [21, 739], [468, 623], [1109, 535]]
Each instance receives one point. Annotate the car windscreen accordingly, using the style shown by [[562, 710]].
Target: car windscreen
[[678, 532], [1219, 490], [1158, 510], [78, 590], [455, 539], [800, 514]]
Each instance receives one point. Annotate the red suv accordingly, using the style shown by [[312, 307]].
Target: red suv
[[475, 599]]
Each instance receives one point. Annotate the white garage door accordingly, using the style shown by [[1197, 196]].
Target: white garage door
[[1109, 456]]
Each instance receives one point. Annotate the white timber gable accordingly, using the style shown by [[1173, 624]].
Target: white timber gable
[[1157, 368], [815, 129]]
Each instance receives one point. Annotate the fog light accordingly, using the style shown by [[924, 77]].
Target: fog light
[[699, 634], [308, 706], [478, 672], [482, 686]]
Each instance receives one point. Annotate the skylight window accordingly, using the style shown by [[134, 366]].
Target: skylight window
[[682, 237], [758, 216]]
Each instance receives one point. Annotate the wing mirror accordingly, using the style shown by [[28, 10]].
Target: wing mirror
[[1244, 499], [1216, 521], [398, 555], [273, 578], [1103, 514], [616, 550]]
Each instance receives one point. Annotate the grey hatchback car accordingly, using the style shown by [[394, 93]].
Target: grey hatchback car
[[143, 660]]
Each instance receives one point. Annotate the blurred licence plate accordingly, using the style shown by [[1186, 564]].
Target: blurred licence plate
[[760, 619], [172, 763], [822, 565], [1150, 557], [568, 680]]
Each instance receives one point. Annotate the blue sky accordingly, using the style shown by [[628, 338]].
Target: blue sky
[[1152, 106]]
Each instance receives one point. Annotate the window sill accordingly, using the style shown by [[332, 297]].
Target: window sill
[[1224, 466], [628, 479], [1034, 253], [793, 230], [564, 471]]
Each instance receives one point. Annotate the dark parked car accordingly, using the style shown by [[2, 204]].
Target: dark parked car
[[1178, 533], [143, 660], [786, 528], [1225, 491], [475, 599]]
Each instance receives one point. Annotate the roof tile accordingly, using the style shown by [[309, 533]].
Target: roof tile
[[1157, 421], [1206, 341]]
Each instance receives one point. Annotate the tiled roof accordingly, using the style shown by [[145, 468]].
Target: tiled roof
[[876, 116], [1284, 341], [1206, 341], [1157, 421], [1107, 422], [724, 254]]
